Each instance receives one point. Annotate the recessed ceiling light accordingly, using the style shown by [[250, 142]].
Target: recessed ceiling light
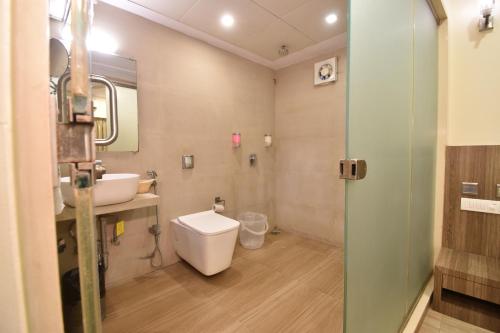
[[227, 20], [331, 18]]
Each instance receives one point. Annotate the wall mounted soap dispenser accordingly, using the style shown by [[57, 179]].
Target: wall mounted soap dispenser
[[268, 140], [236, 139]]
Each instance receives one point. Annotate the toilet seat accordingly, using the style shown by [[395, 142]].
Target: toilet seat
[[208, 223]]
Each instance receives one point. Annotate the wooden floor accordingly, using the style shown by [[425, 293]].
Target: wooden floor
[[290, 285], [435, 322]]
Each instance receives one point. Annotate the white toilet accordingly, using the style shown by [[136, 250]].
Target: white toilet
[[206, 240]]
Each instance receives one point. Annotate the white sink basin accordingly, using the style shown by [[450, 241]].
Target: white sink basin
[[111, 189]]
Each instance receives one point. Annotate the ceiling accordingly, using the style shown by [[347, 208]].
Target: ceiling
[[261, 26]]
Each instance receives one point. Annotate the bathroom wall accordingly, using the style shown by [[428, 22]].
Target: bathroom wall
[[468, 106], [466, 231], [191, 97], [473, 113], [309, 137]]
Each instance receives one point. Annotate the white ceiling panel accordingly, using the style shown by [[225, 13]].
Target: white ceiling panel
[[171, 8], [310, 18], [260, 27], [268, 42], [249, 18], [280, 7], [58, 9]]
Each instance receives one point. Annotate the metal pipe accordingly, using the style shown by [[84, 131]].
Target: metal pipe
[[87, 258], [61, 92], [104, 242]]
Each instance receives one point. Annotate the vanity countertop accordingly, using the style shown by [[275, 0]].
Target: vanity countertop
[[140, 201]]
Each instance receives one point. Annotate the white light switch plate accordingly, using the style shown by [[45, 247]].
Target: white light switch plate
[[478, 205]]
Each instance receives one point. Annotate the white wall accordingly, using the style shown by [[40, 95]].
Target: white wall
[[474, 77], [13, 314]]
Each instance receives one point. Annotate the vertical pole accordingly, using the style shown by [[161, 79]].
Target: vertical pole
[[87, 255], [80, 90], [83, 168]]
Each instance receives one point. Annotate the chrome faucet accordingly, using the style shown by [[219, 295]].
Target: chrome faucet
[[152, 174], [99, 169]]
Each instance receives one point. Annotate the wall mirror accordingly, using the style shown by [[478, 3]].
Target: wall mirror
[[122, 74]]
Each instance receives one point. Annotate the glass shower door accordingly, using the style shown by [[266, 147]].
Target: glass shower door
[[378, 118], [396, 136]]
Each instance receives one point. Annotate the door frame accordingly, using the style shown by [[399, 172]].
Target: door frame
[[33, 302]]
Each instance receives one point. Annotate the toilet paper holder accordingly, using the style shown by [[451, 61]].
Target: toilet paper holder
[[219, 201]]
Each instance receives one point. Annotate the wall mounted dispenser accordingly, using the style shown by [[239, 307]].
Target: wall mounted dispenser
[[236, 140], [268, 140]]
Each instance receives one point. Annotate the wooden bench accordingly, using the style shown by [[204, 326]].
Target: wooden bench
[[467, 287]]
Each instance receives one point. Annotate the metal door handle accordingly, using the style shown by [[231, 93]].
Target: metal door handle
[[113, 105], [113, 114], [352, 169]]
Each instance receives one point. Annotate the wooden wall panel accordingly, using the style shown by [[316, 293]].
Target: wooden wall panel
[[473, 232]]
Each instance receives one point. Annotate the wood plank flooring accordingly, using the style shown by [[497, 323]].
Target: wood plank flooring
[[292, 284], [435, 322]]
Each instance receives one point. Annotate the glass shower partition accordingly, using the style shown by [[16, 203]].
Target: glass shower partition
[[391, 123], [423, 158]]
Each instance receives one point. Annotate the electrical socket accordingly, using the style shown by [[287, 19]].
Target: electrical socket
[[478, 205]]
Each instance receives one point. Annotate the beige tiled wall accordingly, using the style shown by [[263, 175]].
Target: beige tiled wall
[[191, 98], [309, 133]]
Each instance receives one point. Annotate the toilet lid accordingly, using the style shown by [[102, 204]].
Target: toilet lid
[[208, 223]]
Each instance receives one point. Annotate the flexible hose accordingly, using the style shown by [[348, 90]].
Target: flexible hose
[[156, 232]]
